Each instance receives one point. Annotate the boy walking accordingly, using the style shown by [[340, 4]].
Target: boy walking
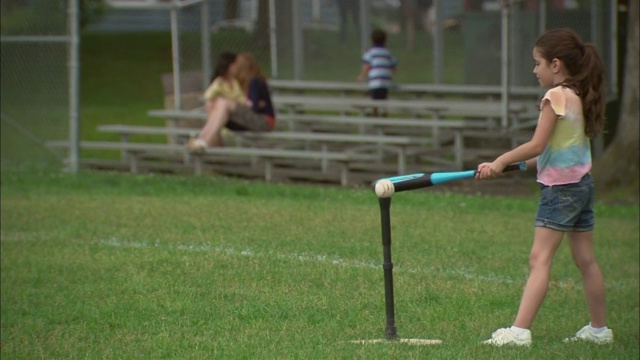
[[378, 67]]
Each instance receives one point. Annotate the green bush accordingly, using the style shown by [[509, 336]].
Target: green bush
[[47, 17], [43, 18]]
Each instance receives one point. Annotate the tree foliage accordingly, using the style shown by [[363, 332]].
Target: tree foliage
[[90, 11], [46, 16]]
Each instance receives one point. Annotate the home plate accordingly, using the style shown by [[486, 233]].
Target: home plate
[[402, 341]]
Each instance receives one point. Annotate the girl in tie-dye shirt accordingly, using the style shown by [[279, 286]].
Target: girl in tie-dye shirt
[[567, 156], [571, 113]]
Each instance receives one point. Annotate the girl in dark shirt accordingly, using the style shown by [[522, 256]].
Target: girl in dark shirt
[[256, 115]]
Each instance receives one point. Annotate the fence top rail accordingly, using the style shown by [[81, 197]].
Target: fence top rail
[[35, 38]]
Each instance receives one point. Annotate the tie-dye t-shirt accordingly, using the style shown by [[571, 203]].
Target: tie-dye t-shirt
[[567, 156]]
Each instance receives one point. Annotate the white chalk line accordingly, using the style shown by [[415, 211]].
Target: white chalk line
[[419, 342], [304, 257], [21, 235], [332, 260]]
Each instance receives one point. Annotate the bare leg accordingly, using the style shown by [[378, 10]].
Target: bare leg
[[593, 282], [545, 244], [218, 112], [209, 106]]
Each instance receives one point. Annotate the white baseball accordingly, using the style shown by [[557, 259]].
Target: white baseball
[[384, 188]]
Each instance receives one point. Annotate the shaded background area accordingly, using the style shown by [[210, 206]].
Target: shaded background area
[[127, 46]]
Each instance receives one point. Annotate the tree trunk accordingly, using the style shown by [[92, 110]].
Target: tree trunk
[[261, 31], [284, 32], [408, 22], [231, 10], [619, 166], [8, 5]]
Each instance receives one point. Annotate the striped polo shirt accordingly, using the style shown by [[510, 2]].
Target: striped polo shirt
[[382, 64]]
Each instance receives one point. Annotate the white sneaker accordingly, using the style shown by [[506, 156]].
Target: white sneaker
[[196, 145], [585, 334], [507, 337]]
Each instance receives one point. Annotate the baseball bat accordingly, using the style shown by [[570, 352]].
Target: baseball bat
[[388, 186]]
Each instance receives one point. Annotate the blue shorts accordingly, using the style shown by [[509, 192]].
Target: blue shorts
[[379, 93], [567, 207]]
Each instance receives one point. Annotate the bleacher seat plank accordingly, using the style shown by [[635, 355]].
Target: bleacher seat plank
[[433, 107], [335, 131], [278, 86], [397, 144], [135, 151]]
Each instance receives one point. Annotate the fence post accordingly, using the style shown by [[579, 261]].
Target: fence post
[[74, 85], [506, 4]]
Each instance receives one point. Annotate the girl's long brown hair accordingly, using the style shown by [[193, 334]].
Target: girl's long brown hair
[[248, 69], [586, 73]]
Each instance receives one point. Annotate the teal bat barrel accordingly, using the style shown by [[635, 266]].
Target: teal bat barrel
[[422, 180]]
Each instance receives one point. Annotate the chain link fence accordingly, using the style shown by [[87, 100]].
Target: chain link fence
[[34, 84], [435, 41]]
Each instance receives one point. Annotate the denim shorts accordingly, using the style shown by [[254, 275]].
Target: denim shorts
[[567, 207]]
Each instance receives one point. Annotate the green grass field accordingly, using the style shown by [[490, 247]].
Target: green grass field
[[117, 266]]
